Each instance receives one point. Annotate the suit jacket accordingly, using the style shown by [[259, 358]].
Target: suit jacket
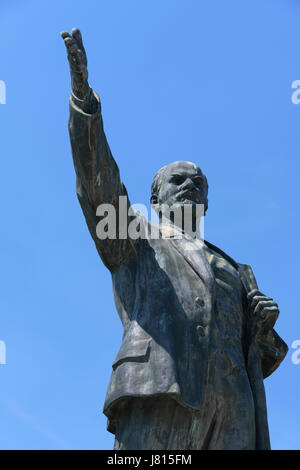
[[164, 292]]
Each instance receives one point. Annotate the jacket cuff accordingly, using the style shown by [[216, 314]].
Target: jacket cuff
[[90, 104]]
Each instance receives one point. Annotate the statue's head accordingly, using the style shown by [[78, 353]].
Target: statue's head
[[179, 183]]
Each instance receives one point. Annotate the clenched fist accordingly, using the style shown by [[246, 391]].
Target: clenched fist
[[263, 310]]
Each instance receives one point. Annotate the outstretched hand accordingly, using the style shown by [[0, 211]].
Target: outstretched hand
[[78, 63]]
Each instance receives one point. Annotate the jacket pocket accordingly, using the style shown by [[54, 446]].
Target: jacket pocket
[[135, 350]]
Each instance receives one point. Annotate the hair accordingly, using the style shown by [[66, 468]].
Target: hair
[[157, 181]]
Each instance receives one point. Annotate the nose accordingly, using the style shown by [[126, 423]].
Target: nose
[[188, 184]]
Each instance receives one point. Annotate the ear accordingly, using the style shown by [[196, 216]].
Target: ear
[[153, 199]]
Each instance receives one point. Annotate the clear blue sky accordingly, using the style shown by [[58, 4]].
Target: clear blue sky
[[207, 81]]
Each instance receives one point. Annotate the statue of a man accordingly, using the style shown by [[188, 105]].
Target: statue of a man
[[198, 334]]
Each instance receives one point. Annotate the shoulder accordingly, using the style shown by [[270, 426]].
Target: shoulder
[[245, 271], [222, 253]]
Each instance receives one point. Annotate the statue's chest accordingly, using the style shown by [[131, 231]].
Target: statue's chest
[[229, 303]]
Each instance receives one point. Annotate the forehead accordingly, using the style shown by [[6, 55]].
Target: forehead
[[182, 168]]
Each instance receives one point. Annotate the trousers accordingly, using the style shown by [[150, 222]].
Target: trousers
[[161, 423]]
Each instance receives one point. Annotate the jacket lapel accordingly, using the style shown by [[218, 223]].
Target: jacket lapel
[[193, 253]]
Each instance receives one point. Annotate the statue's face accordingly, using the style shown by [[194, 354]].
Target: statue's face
[[182, 183]]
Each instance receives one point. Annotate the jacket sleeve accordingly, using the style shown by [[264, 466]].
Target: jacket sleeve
[[97, 180], [272, 350], [270, 347]]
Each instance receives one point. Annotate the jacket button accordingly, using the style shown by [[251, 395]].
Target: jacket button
[[201, 330], [199, 301]]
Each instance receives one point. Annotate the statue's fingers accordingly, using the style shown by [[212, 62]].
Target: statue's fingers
[[71, 45], [252, 293], [65, 34], [68, 41], [269, 313], [76, 34], [257, 299], [263, 305]]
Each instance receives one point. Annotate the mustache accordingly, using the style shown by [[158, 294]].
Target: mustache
[[189, 193]]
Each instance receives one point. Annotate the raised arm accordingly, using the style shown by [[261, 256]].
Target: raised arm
[[98, 180]]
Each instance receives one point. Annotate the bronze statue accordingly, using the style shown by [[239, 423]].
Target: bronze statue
[[198, 334]]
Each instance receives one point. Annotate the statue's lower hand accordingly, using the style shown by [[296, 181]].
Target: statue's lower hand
[[78, 63], [263, 311]]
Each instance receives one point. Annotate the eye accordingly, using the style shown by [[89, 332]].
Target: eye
[[198, 180], [177, 180]]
